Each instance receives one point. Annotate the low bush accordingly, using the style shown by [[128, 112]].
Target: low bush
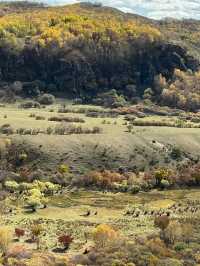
[[134, 189], [46, 99], [102, 114], [5, 239], [6, 129], [179, 246], [176, 153], [12, 186], [34, 199], [19, 232], [178, 124], [32, 115], [173, 233], [30, 104], [28, 131], [71, 129], [36, 230], [110, 99], [104, 179], [67, 119], [63, 168], [162, 222], [38, 117], [65, 240]]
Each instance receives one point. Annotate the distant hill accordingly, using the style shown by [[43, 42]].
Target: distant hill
[[84, 49]]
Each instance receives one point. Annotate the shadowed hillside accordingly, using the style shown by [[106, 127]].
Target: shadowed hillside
[[82, 50]]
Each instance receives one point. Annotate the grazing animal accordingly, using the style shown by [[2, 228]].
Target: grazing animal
[[86, 251], [137, 214], [127, 213], [145, 212], [86, 214]]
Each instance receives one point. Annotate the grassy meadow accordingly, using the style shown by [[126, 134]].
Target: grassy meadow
[[115, 147]]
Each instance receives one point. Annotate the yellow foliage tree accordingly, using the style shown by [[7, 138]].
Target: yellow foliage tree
[[104, 234]]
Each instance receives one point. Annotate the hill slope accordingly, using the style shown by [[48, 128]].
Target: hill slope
[[82, 50]]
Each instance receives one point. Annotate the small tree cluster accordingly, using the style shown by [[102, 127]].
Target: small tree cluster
[[182, 91], [104, 234]]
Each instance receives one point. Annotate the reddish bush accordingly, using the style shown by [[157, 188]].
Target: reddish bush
[[24, 173], [65, 240], [19, 252], [19, 232], [103, 179]]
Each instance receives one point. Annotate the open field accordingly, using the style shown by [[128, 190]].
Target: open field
[[65, 211], [115, 147]]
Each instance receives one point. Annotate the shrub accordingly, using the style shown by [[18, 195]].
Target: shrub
[[46, 99], [30, 104], [157, 247], [104, 234], [19, 232], [16, 253], [176, 153], [5, 239], [162, 222], [38, 117], [66, 119], [129, 127], [49, 130], [22, 156], [104, 179], [161, 174], [96, 130], [63, 168], [36, 230], [25, 186], [35, 199], [110, 99], [164, 184], [134, 189], [62, 129], [12, 186], [169, 262], [65, 240], [51, 188], [32, 115], [62, 179], [6, 129], [187, 232], [179, 247], [173, 232], [34, 202]]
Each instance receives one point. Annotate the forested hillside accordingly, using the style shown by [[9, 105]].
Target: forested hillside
[[82, 50]]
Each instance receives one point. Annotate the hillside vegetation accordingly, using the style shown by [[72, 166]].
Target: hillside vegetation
[[82, 50], [99, 138]]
